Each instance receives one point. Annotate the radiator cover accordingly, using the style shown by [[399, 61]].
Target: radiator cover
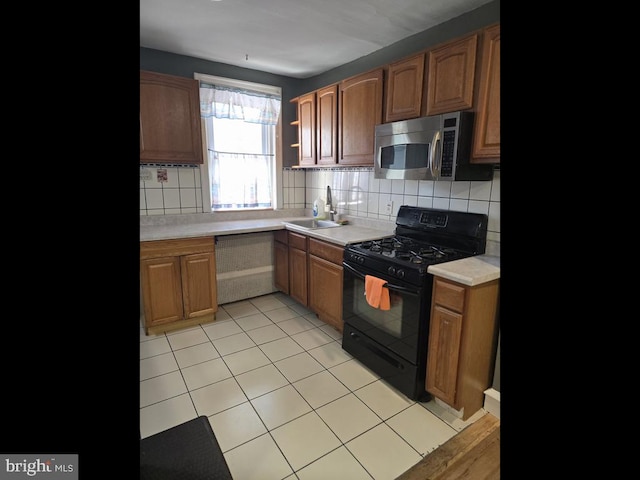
[[244, 266]]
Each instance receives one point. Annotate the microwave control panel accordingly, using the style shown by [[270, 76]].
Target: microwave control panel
[[448, 153]]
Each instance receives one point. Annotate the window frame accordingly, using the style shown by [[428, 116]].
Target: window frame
[[277, 200]]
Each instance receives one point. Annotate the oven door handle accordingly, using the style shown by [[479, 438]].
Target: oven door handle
[[409, 291]]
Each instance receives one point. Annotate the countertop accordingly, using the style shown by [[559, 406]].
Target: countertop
[[350, 233], [469, 271]]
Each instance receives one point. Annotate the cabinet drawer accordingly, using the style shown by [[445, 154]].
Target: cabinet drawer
[[281, 236], [298, 241], [325, 250], [175, 248], [450, 295]]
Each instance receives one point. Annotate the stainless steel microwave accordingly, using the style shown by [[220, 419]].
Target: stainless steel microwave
[[437, 147]]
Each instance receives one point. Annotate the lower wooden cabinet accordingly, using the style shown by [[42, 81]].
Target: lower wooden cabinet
[[281, 260], [325, 281], [310, 271], [298, 273], [178, 279], [462, 343]]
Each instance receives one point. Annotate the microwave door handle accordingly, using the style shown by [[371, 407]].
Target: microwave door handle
[[435, 170]]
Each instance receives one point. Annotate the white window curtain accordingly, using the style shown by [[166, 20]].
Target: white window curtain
[[232, 191], [224, 102], [240, 162]]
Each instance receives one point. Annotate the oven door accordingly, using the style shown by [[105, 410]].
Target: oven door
[[393, 343]]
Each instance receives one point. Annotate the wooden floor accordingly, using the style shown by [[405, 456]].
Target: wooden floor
[[472, 454]]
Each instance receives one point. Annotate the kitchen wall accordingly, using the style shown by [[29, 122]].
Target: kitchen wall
[[357, 193], [354, 191], [171, 189]]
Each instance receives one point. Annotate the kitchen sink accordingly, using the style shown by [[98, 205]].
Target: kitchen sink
[[313, 224]]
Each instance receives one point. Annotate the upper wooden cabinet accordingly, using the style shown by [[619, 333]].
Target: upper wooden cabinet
[[403, 89], [451, 75], [327, 125], [307, 129], [486, 138], [360, 110], [336, 124], [170, 126], [318, 127]]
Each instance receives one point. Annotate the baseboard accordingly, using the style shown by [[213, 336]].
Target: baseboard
[[492, 402]]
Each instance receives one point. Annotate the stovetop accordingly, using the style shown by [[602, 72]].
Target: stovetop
[[406, 250], [423, 237]]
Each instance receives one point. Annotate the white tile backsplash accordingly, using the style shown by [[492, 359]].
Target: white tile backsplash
[[411, 187], [480, 190], [171, 197], [442, 189], [354, 190], [460, 189]]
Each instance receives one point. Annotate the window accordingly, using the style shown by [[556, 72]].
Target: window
[[240, 119]]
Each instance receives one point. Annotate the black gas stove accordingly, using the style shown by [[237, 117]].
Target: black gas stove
[[423, 237], [392, 341]]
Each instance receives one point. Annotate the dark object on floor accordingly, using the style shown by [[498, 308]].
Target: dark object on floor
[[188, 451]]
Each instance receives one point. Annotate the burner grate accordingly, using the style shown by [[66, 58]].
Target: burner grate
[[408, 251]]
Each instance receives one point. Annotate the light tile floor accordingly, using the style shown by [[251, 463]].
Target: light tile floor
[[283, 398]]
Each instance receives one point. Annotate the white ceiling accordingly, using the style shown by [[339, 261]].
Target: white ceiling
[[296, 38]]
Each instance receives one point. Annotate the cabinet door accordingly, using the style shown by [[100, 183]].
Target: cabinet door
[[281, 267], [325, 291], [162, 290], [199, 284], [404, 88], [298, 275], [444, 353], [451, 76], [327, 126], [359, 112], [170, 126], [307, 129], [486, 139]]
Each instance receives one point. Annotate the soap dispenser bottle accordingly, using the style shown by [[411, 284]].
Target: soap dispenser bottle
[[318, 208]]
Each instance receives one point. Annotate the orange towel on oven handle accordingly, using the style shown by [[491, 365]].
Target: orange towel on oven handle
[[376, 293]]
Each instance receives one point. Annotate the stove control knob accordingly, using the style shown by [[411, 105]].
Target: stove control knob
[[391, 271], [359, 259], [400, 273]]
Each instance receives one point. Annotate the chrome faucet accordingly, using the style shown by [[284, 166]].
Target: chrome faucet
[[330, 203]]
